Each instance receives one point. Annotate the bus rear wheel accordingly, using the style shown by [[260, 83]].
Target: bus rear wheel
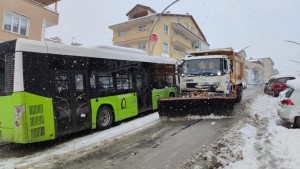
[[171, 95], [104, 118]]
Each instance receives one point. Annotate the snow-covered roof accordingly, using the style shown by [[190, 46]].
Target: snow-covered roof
[[295, 84], [190, 57], [218, 51], [105, 51]]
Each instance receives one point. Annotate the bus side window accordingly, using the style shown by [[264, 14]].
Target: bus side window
[[92, 81], [105, 82], [170, 79], [79, 82]]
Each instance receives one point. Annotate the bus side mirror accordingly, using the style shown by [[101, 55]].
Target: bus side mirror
[[178, 64]]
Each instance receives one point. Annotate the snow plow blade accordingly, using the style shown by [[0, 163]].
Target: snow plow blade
[[177, 107]]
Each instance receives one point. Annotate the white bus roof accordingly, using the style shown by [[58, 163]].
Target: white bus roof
[[107, 52]]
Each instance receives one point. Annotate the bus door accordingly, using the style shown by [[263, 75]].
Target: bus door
[[143, 90], [71, 102]]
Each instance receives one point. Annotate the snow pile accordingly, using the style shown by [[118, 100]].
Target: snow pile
[[193, 117], [257, 141], [77, 147]]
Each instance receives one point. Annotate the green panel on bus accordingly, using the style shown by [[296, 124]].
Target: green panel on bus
[[9, 132], [40, 118], [123, 106], [26, 118], [162, 93]]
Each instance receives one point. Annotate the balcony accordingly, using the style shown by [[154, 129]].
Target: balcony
[[132, 38], [44, 4], [176, 56], [181, 42], [177, 27]]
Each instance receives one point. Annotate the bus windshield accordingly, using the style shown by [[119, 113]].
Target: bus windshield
[[2, 66], [203, 67]]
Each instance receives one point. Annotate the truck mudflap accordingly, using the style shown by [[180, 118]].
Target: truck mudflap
[[177, 107]]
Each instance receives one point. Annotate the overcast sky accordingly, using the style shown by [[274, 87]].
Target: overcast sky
[[263, 24]]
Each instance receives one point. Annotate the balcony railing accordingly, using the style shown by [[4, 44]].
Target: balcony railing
[[41, 5], [177, 55], [180, 41], [134, 37]]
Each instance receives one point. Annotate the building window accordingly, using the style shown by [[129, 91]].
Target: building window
[[142, 28], [196, 44], [142, 46], [186, 25], [16, 23], [176, 51], [177, 19], [193, 29], [124, 32], [121, 33], [165, 47], [166, 29]]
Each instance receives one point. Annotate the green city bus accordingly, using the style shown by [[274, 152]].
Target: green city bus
[[49, 90]]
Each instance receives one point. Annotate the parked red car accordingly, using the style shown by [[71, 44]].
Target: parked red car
[[277, 84]]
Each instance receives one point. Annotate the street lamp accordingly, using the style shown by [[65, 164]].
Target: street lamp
[[245, 47], [154, 23], [292, 42], [295, 61]]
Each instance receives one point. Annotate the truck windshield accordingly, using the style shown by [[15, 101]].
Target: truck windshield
[[202, 67], [2, 66]]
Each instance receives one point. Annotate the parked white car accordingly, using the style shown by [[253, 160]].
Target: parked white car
[[289, 103]]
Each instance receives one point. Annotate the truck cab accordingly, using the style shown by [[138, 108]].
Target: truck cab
[[205, 74]]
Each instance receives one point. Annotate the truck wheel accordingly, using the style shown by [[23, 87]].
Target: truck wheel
[[239, 96], [296, 122], [104, 118]]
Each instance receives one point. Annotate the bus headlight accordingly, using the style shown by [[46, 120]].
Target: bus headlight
[[19, 110]]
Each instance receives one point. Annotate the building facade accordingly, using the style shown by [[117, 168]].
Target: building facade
[[176, 34], [26, 18], [256, 69], [268, 68]]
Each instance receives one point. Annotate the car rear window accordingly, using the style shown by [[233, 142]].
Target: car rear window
[[283, 80], [289, 92]]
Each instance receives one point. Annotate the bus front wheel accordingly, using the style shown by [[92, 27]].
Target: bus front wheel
[[104, 118]]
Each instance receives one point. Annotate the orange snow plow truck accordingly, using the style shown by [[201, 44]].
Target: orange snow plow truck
[[210, 82]]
